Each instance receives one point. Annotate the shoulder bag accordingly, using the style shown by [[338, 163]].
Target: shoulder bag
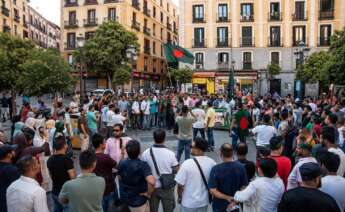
[[210, 198], [167, 180]]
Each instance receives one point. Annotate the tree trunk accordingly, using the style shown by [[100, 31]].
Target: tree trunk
[[109, 81], [14, 102]]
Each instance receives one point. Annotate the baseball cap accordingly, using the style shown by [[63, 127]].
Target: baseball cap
[[5, 149], [276, 142], [310, 171]]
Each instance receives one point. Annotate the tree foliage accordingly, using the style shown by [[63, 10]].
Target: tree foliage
[[122, 75], [182, 75], [45, 72], [337, 65], [273, 69], [105, 52]]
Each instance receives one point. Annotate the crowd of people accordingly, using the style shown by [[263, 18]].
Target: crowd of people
[[300, 160]]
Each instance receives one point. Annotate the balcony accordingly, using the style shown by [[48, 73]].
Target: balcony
[[199, 20], [6, 29], [324, 41], [136, 25], [147, 31], [223, 66], [247, 18], [17, 18], [147, 50], [247, 42], [275, 42], [69, 46], [298, 42], [136, 4], [169, 26], [275, 16], [326, 15], [112, 1], [147, 12], [175, 30], [247, 65], [5, 11], [71, 24], [222, 19], [199, 43], [90, 22], [299, 17], [107, 19], [90, 2], [69, 3], [223, 42], [199, 65]]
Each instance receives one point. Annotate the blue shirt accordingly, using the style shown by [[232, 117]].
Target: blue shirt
[[227, 178], [133, 175], [153, 107], [91, 120]]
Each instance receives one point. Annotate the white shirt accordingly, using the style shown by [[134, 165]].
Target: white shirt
[[335, 187], [104, 111], [165, 160], [145, 107], [341, 154], [195, 193], [313, 106], [295, 176], [135, 107], [26, 195], [341, 137], [263, 192], [200, 116], [110, 115], [264, 134], [118, 119]]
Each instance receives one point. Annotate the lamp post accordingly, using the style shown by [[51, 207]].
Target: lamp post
[[231, 82], [131, 53], [301, 54], [80, 45]]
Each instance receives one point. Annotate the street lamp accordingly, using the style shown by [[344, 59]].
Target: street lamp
[[301, 54], [131, 53], [231, 82], [80, 45]]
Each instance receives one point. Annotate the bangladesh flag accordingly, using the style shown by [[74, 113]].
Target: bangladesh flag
[[174, 53], [242, 119]]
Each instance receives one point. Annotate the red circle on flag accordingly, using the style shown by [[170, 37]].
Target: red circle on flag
[[177, 53]]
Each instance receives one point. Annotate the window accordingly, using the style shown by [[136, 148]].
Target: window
[[154, 65], [71, 40], [275, 58], [146, 62], [70, 59], [222, 12], [161, 33], [326, 9], [198, 13], [72, 17], [168, 37], [154, 47], [154, 29], [222, 36], [274, 36], [15, 29], [162, 51], [146, 46], [247, 39], [325, 35], [168, 7], [247, 12], [89, 35], [247, 60], [223, 58], [91, 16], [299, 11], [298, 35], [162, 17], [199, 34], [274, 11], [154, 12], [199, 60], [112, 14]]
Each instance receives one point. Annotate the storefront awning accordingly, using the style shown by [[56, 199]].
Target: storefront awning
[[204, 74]]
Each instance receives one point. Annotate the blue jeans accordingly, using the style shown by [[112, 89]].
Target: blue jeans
[[210, 138], [234, 138], [108, 200], [183, 145], [201, 130], [147, 121], [343, 147], [58, 207]]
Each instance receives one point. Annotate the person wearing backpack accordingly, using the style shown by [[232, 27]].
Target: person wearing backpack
[[192, 178]]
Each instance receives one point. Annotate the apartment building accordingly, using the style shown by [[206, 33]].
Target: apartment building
[[153, 21], [250, 34]]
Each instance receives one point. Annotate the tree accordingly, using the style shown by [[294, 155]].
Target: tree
[[273, 69], [14, 52], [45, 72], [122, 75], [316, 69], [337, 65], [105, 52], [182, 75]]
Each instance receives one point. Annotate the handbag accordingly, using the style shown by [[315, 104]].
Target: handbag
[[210, 198], [167, 180]]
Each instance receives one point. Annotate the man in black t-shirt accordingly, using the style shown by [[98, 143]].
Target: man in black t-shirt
[[61, 169], [308, 197], [242, 151]]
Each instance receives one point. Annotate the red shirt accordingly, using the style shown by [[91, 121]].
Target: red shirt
[[284, 167]]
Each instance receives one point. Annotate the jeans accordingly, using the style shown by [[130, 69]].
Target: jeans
[[166, 196], [58, 207], [234, 138], [201, 130], [153, 119], [108, 200], [146, 122], [91, 133], [161, 120], [200, 209], [210, 138], [183, 145]]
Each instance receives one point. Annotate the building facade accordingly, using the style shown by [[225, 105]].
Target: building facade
[[153, 21], [254, 34]]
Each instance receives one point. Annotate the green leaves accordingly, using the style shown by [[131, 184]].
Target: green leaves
[[273, 69], [183, 75], [122, 75]]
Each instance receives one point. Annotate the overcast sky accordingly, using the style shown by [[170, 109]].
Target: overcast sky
[[50, 9]]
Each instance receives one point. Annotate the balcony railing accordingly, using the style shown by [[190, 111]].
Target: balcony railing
[[90, 22], [247, 18], [221, 19], [199, 65], [275, 16], [326, 15], [69, 46], [147, 11], [107, 19], [136, 4], [17, 18], [275, 42], [68, 3], [147, 30], [169, 26], [298, 42], [5, 11], [199, 43], [135, 25], [90, 2], [223, 42], [112, 1], [223, 66], [247, 42], [199, 20], [300, 16], [247, 65], [147, 50], [324, 41], [71, 24], [6, 29]]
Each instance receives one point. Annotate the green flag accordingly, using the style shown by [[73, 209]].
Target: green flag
[[174, 53]]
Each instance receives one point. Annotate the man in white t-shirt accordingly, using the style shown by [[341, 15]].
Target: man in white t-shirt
[[199, 125], [166, 164], [109, 117], [118, 118], [192, 191], [145, 109]]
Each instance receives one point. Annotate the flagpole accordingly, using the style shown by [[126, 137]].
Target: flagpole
[[169, 75]]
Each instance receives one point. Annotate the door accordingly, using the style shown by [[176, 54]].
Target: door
[[275, 86]]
